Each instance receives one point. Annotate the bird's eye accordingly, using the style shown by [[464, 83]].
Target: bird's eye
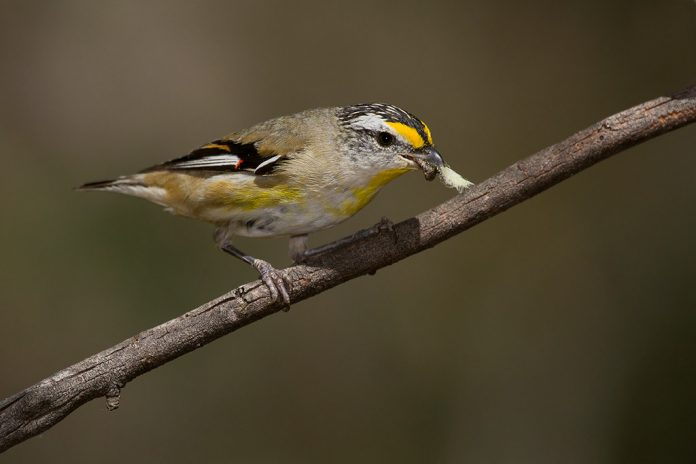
[[385, 139]]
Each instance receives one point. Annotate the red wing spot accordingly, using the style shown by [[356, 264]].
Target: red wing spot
[[237, 164]]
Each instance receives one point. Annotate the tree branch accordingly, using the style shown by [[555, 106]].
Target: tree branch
[[40, 406]]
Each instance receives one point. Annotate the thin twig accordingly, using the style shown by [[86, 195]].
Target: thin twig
[[40, 406]]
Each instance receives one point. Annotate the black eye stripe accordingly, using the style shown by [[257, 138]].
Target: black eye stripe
[[375, 135]]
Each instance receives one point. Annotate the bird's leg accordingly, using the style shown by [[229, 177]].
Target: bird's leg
[[297, 247], [270, 276]]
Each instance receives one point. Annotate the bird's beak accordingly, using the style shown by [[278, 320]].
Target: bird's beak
[[429, 160], [433, 157]]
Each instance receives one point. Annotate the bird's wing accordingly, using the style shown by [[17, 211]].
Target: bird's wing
[[226, 155]]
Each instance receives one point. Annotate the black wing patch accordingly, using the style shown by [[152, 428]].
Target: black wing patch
[[222, 156]]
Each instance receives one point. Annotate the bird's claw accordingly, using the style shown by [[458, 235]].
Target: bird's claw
[[274, 280], [386, 225]]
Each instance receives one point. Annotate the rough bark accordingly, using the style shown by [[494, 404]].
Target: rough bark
[[104, 374]]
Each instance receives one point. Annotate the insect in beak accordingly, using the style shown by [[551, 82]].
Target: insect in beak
[[428, 160]]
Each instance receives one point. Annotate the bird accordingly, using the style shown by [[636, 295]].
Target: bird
[[287, 176]]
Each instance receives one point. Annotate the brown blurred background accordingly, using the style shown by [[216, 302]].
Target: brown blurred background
[[563, 330]]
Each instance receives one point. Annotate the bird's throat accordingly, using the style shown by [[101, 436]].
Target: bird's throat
[[362, 195]]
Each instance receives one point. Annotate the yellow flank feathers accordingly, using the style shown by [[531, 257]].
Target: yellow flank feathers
[[176, 186], [225, 194], [409, 133], [363, 195], [196, 196]]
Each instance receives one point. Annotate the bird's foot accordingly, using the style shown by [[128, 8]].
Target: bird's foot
[[300, 258], [274, 280], [297, 247], [384, 225]]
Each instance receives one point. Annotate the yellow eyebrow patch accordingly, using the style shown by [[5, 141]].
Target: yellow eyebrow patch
[[217, 145], [426, 129], [409, 133]]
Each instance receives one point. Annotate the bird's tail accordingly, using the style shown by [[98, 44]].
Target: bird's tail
[[134, 185], [121, 185]]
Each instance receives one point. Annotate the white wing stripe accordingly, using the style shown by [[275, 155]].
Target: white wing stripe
[[270, 160], [218, 160]]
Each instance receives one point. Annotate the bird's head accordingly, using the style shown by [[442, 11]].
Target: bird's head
[[384, 137]]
